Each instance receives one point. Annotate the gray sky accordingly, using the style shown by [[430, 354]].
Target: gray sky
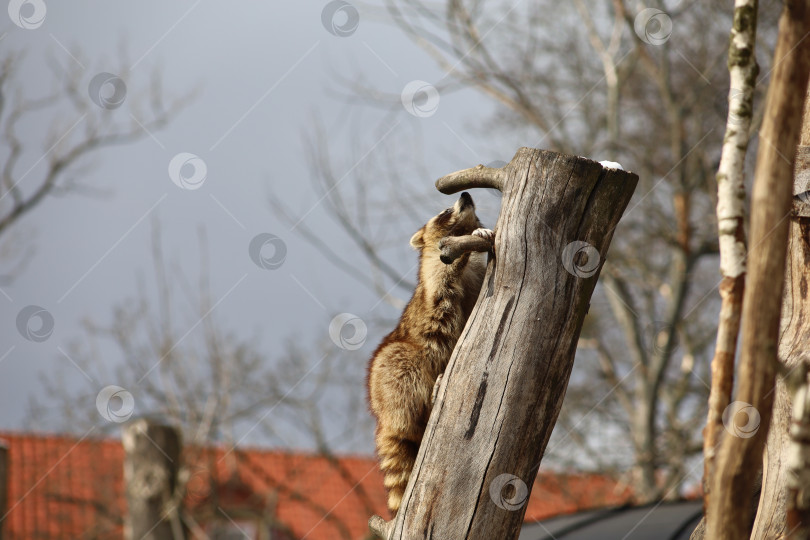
[[265, 71]]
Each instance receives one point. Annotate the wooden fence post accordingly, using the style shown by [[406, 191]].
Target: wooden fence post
[[151, 465], [503, 388]]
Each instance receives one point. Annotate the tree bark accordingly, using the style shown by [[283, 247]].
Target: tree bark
[[3, 485], [743, 70], [794, 344], [504, 385], [151, 464], [739, 458], [798, 461]]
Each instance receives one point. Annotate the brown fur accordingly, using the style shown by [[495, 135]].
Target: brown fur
[[404, 368]]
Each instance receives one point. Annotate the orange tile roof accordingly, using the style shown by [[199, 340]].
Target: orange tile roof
[[64, 486]]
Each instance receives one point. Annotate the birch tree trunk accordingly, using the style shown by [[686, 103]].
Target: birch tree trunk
[[504, 385], [739, 458], [743, 70]]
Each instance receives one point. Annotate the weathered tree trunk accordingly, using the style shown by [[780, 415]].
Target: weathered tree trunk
[[3, 485], [739, 459], [503, 388], [794, 347], [798, 456], [151, 464]]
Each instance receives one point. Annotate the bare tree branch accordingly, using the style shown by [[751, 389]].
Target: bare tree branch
[[62, 155]]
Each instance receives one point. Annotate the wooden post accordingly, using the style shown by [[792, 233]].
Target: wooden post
[[151, 464], [504, 385]]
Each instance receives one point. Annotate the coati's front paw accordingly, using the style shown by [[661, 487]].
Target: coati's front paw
[[436, 389], [487, 234]]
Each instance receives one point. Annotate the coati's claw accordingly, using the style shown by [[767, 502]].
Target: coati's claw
[[489, 234], [436, 388]]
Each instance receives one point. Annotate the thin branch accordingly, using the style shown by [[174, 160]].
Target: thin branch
[[95, 138]]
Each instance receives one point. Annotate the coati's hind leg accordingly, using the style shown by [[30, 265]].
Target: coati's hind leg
[[397, 453], [400, 398]]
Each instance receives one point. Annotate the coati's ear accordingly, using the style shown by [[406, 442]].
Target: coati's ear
[[418, 239]]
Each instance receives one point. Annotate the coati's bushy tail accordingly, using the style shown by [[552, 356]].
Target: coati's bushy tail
[[397, 458]]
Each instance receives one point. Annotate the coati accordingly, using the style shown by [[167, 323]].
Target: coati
[[404, 368]]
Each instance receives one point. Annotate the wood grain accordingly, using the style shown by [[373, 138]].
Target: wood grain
[[794, 345]]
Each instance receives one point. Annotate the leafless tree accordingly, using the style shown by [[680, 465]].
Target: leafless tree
[[83, 114]]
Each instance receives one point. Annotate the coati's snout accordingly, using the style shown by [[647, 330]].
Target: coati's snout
[[458, 220], [464, 202]]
